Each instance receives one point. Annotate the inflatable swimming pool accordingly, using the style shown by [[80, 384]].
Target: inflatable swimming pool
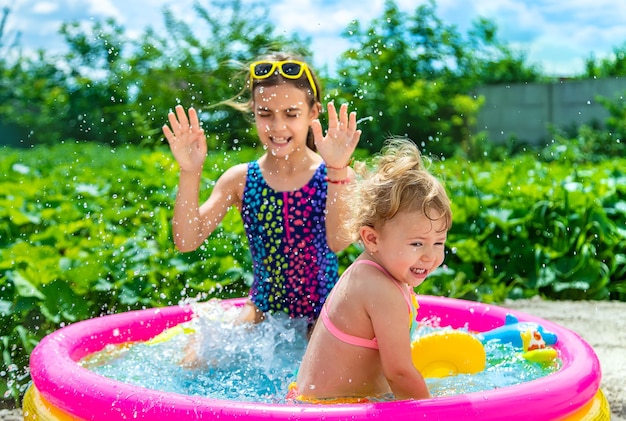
[[63, 390]]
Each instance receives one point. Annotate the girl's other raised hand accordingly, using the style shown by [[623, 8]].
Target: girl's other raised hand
[[337, 146], [186, 139]]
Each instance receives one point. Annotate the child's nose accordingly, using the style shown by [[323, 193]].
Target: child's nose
[[279, 123], [428, 254]]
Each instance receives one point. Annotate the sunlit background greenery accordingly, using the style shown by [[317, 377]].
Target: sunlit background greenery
[[86, 195]]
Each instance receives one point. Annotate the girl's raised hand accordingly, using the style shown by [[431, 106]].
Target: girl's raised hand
[[186, 139], [337, 146]]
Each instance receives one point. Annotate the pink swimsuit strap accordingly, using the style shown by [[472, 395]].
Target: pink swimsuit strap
[[351, 339]]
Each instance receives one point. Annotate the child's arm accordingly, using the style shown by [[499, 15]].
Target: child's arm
[[336, 149], [193, 223], [389, 317]]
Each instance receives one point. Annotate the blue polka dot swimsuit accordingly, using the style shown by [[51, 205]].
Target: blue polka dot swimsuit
[[294, 270]]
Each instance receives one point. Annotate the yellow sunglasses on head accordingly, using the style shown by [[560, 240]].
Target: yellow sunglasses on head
[[290, 69]]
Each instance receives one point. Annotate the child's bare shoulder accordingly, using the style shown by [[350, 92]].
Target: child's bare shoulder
[[236, 170], [235, 175], [375, 283]]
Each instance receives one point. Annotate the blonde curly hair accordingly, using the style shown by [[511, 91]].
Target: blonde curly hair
[[399, 182]]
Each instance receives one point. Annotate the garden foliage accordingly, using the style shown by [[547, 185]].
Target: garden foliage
[[85, 214], [85, 231]]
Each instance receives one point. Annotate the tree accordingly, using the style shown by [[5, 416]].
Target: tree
[[203, 72], [113, 89], [493, 62], [8, 42], [612, 66], [413, 75], [76, 95]]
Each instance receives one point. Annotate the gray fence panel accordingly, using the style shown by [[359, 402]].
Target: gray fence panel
[[527, 111]]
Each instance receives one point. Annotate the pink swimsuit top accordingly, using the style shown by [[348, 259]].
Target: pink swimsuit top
[[410, 299]]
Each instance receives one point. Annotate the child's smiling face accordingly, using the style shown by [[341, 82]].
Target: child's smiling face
[[283, 117], [411, 246]]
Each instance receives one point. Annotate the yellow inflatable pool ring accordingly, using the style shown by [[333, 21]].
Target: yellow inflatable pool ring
[[448, 353], [36, 408], [596, 409]]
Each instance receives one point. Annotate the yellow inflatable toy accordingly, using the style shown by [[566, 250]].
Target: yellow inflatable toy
[[448, 353]]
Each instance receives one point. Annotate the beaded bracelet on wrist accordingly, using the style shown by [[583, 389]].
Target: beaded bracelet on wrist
[[340, 168], [344, 181]]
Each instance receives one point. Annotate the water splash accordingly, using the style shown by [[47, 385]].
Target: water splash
[[364, 119], [242, 362]]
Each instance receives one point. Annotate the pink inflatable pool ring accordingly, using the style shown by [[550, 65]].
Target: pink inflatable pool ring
[[63, 390]]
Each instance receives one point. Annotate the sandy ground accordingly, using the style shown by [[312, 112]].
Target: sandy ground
[[602, 324]]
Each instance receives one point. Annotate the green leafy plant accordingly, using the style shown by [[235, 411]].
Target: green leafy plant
[[85, 231], [524, 228]]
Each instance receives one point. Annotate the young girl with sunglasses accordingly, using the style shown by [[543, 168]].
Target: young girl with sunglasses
[[361, 348], [290, 198]]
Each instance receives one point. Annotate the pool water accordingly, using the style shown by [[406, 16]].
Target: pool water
[[257, 363]]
